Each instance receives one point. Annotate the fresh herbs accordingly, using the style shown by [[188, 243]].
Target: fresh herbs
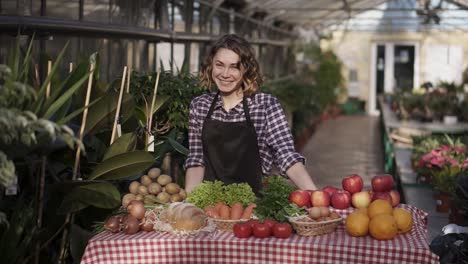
[[209, 193], [274, 202]]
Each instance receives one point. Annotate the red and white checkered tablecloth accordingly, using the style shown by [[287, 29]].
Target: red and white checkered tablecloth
[[223, 247]]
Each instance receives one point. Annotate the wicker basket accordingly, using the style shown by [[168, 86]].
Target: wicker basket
[[305, 228], [226, 225]]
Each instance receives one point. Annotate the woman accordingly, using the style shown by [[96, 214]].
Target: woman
[[235, 133]]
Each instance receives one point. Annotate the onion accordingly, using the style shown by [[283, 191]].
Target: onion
[[131, 225], [113, 223], [136, 209]]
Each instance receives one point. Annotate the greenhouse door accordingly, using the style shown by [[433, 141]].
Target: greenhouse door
[[394, 67]]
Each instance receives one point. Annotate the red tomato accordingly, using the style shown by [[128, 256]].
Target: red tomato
[[252, 222], [242, 230], [282, 230], [261, 230], [270, 222]]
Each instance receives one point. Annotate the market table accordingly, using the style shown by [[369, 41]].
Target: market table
[[224, 247]]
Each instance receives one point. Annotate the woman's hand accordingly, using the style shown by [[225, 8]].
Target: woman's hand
[[301, 178]]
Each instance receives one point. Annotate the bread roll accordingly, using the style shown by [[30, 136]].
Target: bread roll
[[184, 216]]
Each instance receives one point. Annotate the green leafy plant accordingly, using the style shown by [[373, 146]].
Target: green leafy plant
[[273, 201], [209, 193]]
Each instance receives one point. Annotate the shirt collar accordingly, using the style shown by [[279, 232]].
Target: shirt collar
[[238, 108]]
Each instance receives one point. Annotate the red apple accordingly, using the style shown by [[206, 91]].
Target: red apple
[[329, 189], [382, 195], [352, 183], [361, 199], [382, 183], [320, 198], [395, 197], [300, 197], [341, 199]]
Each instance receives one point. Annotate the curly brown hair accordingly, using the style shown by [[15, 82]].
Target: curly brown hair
[[251, 77]]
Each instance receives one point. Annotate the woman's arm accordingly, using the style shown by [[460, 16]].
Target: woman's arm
[[193, 177], [300, 177], [194, 165], [280, 139]]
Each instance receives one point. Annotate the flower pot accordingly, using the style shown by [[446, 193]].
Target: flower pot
[[442, 202], [450, 120]]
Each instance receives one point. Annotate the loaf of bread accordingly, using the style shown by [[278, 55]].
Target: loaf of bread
[[184, 216]]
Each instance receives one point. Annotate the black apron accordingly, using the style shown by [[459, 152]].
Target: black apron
[[230, 150]]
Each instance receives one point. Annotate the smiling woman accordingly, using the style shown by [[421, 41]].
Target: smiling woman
[[236, 133]]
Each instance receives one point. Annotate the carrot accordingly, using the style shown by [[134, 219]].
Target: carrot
[[212, 213], [225, 212], [218, 206], [247, 214], [209, 208], [236, 210]]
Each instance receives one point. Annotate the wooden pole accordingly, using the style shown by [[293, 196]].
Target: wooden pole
[[128, 79], [119, 102], [149, 136], [49, 68], [83, 121], [153, 101], [69, 217]]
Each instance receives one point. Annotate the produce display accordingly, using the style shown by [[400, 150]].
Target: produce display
[[155, 203]]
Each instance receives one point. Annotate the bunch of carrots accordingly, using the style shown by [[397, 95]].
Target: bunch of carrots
[[237, 211]]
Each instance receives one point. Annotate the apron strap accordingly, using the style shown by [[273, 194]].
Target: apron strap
[[212, 106]]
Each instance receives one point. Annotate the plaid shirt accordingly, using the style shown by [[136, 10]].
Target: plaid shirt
[[274, 137]]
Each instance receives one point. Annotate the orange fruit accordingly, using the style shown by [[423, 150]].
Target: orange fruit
[[357, 224], [383, 227], [403, 219], [379, 206]]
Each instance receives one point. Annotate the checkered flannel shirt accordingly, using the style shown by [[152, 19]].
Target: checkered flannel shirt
[[274, 137]]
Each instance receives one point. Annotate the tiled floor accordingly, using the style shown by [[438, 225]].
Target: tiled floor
[[352, 144]]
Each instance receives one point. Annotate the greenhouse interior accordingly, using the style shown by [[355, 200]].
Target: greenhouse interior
[[234, 131]]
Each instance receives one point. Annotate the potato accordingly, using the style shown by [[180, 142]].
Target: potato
[[164, 179], [145, 180], [163, 197], [154, 173], [149, 199], [127, 198], [139, 197], [154, 188], [172, 188], [183, 193], [175, 198], [143, 190], [133, 188]]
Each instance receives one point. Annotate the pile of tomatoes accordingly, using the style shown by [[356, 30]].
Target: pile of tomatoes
[[262, 229]]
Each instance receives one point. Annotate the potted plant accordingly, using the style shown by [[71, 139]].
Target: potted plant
[[444, 164], [459, 211]]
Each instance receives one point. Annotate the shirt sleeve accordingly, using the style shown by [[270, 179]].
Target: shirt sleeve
[[195, 156], [279, 137]]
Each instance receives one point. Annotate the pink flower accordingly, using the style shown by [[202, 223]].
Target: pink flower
[[459, 150], [465, 164], [438, 161]]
